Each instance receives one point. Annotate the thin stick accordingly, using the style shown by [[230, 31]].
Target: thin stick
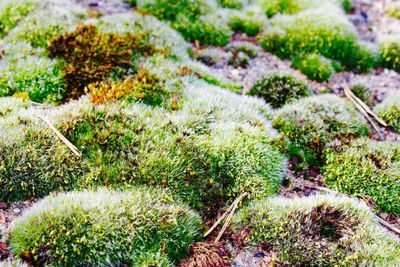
[[361, 109], [366, 108], [219, 220], [229, 218], [65, 140]]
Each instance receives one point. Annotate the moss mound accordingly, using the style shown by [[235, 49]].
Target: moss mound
[[367, 168], [279, 89], [105, 228], [314, 66], [322, 31], [212, 149], [11, 12], [389, 110], [390, 53], [319, 231], [309, 124]]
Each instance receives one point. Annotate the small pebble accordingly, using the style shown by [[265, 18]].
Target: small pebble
[[16, 211]]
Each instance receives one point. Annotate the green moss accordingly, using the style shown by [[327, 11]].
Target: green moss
[[249, 26], [309, 124], [247, 48], [36, 166], [38, 76], [393, 10], [389, 110], [205, 32], [214, 147], [49, 20], [174, 11], [362, 91], [235, 4], [321, 31], [273, 7], [314, 66], [105, 227], [279, 89], [319, 231], [367, 168], [390, 54], [11, 12]]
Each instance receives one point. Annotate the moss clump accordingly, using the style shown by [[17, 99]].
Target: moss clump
[[393, 10], [49, 20], [39, 77], [249, 26], [105, 228], [173, 11], [235, 4], [319, 31], [206, 33], [390, 54], [11, 12], [389, 110], [91, 56], [143, 86], [367, 168], [247, 48], [311, 123], [314, 66], [239, 59], [362, 92], [319, 231], [273, 7], [37, 166], [279, 89]]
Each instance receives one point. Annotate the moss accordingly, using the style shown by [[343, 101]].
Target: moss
[[389, 110], [322, 31], [205, 32], [309, 124], [173, 11], [249, 26], [319, 231], [314, 66], [209, 57], [362, 91], [39, 77], [11, 12], [91, 56], [214, 147], [273, 7], [49, 20], [239, 59], [143, 87], [105, 227], [393, 10], [367, 168], [279, 89], [247, 48], [390, 54]]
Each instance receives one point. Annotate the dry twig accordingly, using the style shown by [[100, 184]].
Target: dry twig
[[62, 137]]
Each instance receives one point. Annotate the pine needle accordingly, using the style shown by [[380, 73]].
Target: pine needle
[[59, 135]]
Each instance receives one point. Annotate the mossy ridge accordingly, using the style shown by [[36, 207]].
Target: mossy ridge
[[389, 110], [208, 149], [366, 168], [321, 230], [273, 7], [309, 124], [105, 227], [325, 31], [11, 12]]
